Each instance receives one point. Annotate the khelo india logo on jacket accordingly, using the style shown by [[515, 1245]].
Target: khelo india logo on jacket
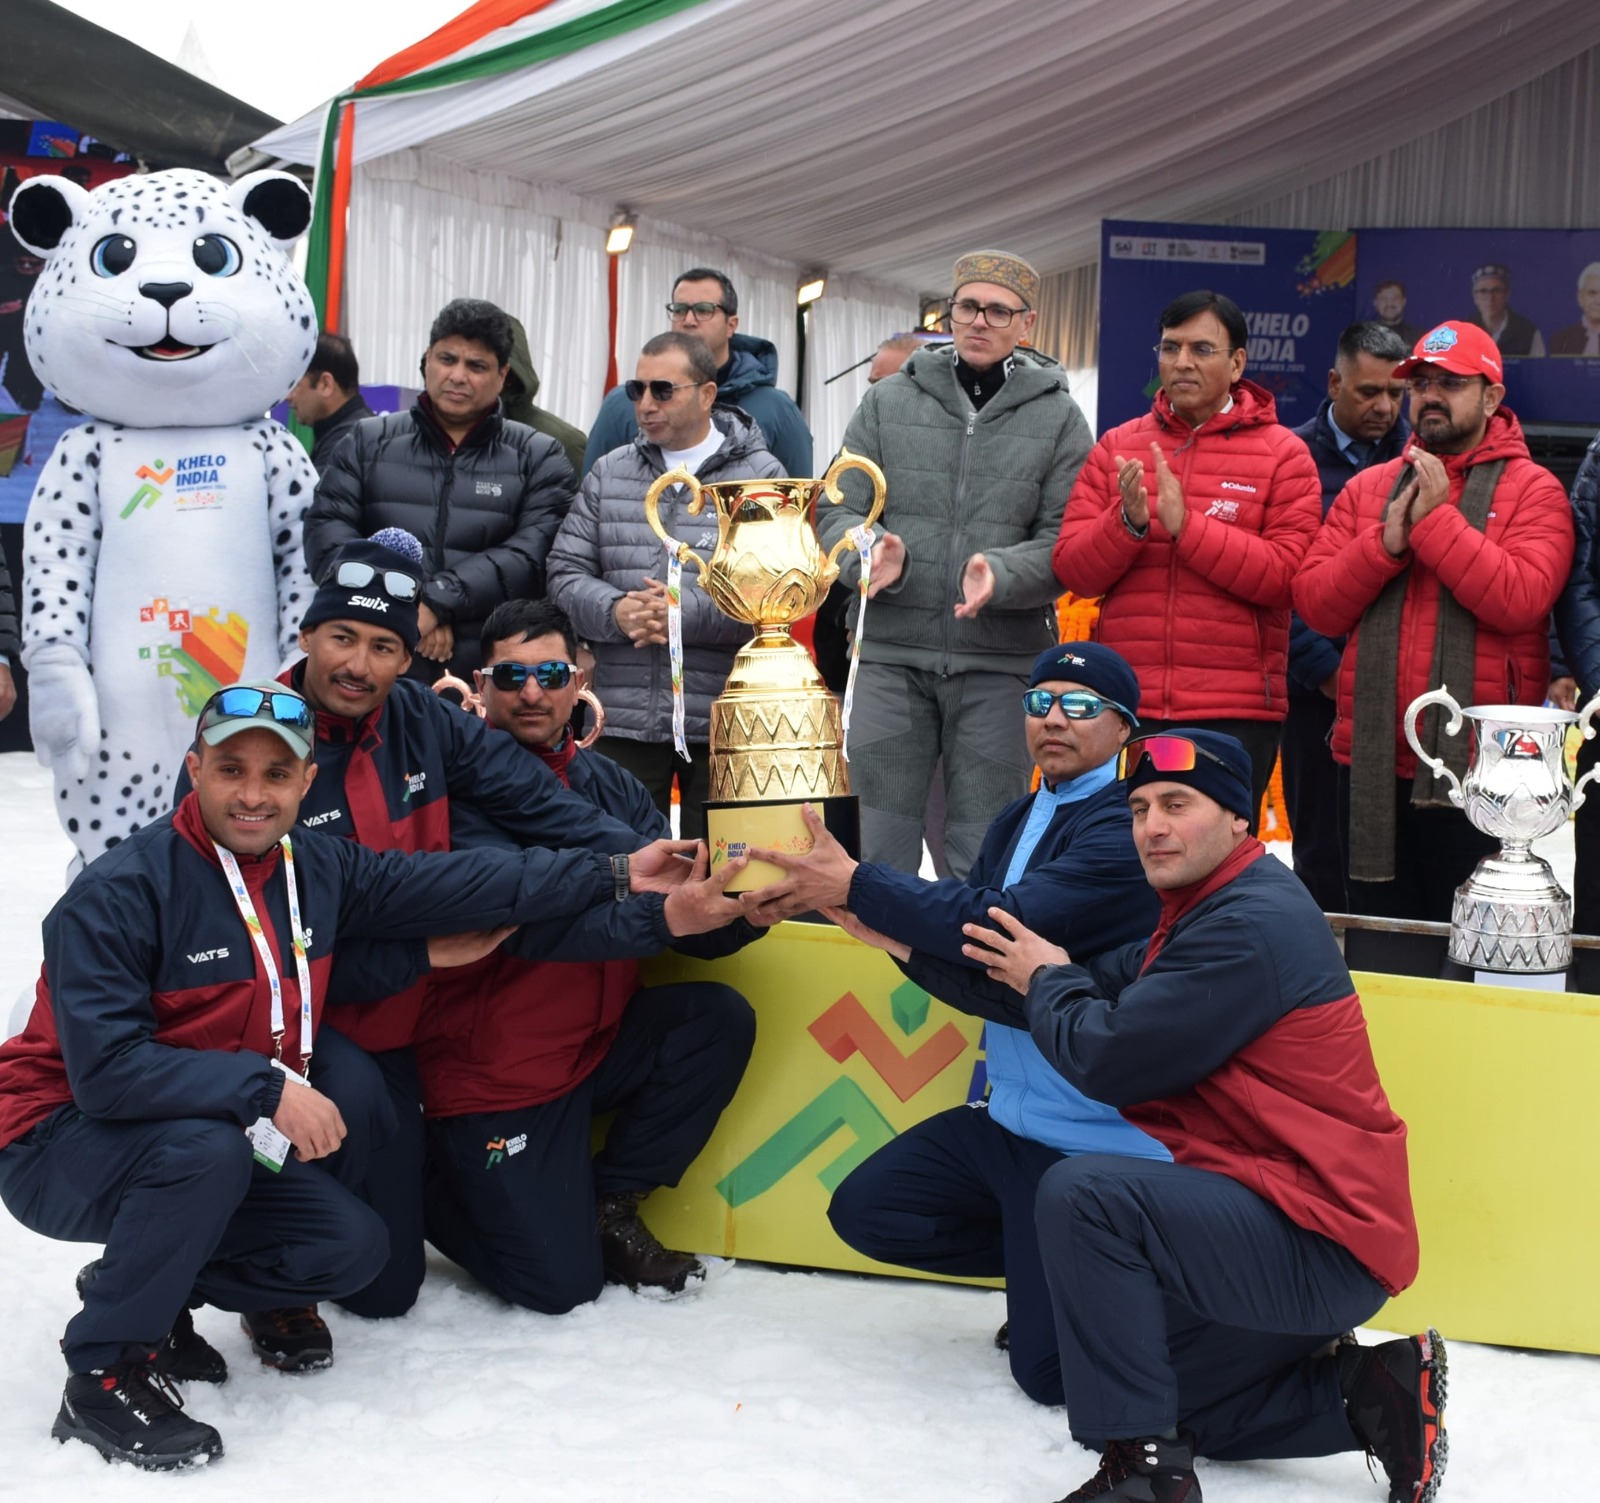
[[195, 483]]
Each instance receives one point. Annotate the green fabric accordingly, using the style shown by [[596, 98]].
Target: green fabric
[[557, 41], [522, 386]]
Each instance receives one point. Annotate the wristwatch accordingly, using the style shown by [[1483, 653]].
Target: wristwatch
[[619, 877]]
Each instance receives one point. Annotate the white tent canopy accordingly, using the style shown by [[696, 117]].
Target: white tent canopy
[[876, 142]]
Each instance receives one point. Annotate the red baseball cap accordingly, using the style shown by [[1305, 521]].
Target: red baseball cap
[[1460, 347]]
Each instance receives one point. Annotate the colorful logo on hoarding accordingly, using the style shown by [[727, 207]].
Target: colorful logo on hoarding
[[844, 1030]]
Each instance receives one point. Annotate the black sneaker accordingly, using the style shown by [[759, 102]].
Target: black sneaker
[[1147, 1470], [632, 1255], [185, 1356], [1394, 1396], [129, 1412], [293, 1340]]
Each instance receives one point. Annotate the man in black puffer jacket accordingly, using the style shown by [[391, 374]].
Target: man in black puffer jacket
[[484, 495], [1578, 622], [607, 568]]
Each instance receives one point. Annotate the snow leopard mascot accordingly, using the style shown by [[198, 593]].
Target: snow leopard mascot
[[162, 552]]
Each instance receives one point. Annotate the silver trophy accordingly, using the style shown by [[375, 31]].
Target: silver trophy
[[1511, 914]]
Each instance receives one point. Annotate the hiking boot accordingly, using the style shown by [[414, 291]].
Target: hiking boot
[[1147, 1470], [184, 1356], [1394, 1397], [293, 1340], [1002, 1337], [129, 1412], [632, 1255]]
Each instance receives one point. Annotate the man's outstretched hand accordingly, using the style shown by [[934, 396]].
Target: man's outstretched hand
[[1011, 952], [701, 903]]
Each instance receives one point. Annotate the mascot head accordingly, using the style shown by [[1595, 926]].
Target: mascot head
[[167, 301]]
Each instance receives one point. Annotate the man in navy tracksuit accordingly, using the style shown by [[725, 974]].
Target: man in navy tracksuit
[[1200, 1303], [523, 1051], [184, 979], [954, 1194]]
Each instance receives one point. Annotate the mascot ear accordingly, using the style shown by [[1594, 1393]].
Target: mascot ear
[[43, 209], [277, 202]]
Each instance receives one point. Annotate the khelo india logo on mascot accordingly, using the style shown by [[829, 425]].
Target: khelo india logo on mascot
[[200, 485]]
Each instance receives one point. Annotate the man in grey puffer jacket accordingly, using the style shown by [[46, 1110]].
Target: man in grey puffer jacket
[[606, 570], [980, 443]]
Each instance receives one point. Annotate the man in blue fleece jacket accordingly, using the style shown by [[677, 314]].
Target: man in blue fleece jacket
[[955, 1194]]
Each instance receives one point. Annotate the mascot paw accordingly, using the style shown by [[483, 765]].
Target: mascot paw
[[63, 713]]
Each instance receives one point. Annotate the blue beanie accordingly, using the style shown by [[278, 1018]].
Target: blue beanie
[[1101, 669], [1228, 784]]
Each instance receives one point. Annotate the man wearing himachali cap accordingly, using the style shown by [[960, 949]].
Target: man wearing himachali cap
[[1442, 565]]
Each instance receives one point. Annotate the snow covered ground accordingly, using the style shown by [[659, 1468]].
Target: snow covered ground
[[768, 1386]]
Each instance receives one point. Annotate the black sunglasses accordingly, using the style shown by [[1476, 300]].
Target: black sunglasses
[[661, 390], [510, 677]]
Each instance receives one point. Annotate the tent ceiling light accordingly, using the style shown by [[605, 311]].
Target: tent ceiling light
[[620, 236], [810, 290]]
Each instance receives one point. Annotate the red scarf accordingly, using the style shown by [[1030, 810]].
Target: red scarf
[[1177, 901], [559, 758]]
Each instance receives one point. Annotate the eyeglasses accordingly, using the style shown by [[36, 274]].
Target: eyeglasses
[[1076, 704], [397, 586], [1166, 754], [661, 390], [510, 677], [1419, 383], [1203, 349], [700, 310], [239, 703], [996, 315]]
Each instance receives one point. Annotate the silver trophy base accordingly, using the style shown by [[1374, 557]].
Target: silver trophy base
[[1511, 915]]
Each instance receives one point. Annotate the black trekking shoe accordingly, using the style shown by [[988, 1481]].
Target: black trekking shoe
[[185, 1356], [632, 1255], [129, 1412], [1147, 1470], [1002, 1337], [293, 1340], [1394, 1397]]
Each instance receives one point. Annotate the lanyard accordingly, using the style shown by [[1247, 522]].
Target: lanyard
[[302, 971]]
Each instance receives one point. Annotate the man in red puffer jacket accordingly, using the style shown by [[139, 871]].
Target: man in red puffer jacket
[[1191, 521], [1442, 566]]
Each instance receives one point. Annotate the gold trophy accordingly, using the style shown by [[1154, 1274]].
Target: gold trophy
[[776, 738]]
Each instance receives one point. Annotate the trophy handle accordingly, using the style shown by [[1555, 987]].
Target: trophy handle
[[1439, 696], [697, 501], [1586, 725], [830, 488], [590, 698]]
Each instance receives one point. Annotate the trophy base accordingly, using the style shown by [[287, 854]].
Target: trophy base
[[733, 827], [1512, 916]]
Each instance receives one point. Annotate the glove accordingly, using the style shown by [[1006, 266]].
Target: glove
[[63, 712]]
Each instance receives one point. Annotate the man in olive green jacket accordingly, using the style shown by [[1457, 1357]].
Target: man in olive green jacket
[[980, 443]]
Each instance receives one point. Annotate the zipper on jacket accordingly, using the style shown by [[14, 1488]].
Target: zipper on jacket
[[442, 516], [958, 563], [1167, 710]]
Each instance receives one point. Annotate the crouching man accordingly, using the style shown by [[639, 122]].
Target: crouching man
[[1200, 1305], [156, 1101]]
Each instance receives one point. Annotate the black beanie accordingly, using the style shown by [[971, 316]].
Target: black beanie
[[370, 602], [1225, 779]]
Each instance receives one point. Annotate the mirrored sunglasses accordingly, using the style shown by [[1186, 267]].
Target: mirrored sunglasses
[[1166, 754], [510, 677], [1076, 704], [397, 586], [240, 703]]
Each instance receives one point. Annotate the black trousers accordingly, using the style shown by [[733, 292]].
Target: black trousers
[[1435, 851], [184, 1212], [1183, 1298], [1258, 737], [511, 1195], [1311, 797], [657, 764], [954, 1195]]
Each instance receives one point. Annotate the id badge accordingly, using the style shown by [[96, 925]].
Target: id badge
[[271, 1146]]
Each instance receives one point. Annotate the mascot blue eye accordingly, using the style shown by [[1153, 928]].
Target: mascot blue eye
[[217, 256], [112, 256]]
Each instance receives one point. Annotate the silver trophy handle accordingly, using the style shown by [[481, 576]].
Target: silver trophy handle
[[1439, 696], [1586, 725]]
